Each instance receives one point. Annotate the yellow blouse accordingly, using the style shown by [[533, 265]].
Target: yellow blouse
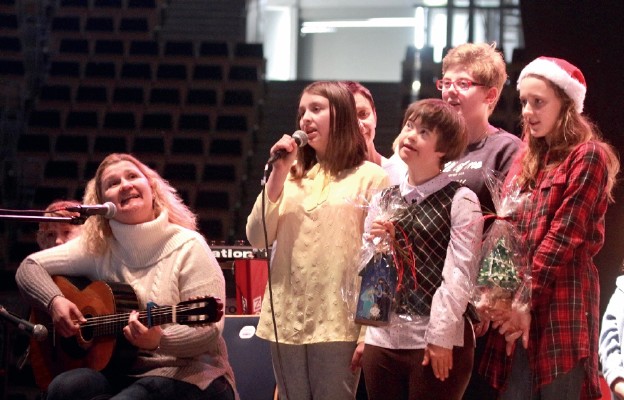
[[316, 232]]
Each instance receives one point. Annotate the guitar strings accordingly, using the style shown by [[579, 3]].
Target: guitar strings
[[124, 316], [114, 318]]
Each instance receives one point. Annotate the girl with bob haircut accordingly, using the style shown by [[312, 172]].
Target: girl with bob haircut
[[426, 350]]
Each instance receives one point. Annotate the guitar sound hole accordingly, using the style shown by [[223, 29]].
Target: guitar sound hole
[[77, 348], [87, 332]]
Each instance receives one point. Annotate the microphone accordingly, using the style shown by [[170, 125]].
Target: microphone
[[108, 209], [38, 332], [301, 138]]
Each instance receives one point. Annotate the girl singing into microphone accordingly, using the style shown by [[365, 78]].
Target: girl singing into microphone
[[316, 235]]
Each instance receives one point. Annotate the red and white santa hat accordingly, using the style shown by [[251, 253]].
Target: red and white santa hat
[[561, 73]]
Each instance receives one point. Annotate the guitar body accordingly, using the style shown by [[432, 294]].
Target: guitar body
[[57, 354]]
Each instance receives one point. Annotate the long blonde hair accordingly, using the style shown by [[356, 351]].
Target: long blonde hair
[[572, 130], [97, 229]]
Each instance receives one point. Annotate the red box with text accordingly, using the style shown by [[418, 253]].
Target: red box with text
[[251, 278]]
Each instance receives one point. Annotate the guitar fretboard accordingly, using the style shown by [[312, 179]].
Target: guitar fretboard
[[112, 324]]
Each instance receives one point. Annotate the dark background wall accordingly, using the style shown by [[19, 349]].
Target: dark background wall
[[589, 34]]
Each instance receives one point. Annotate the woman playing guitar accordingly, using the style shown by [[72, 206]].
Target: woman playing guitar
[[151, 246]]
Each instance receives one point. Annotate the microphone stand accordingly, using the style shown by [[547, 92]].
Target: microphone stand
[[7, 334], [76, 220], [10, 319]]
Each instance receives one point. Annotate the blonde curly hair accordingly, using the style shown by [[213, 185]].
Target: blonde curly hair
[[97, 230]]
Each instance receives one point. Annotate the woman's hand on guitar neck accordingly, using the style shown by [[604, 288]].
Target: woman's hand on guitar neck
[[66, 316], [140, 335]]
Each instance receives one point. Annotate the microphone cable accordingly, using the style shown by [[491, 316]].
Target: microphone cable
[[269, 279]]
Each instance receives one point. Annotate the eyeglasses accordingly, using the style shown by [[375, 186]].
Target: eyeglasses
[[460, 84]]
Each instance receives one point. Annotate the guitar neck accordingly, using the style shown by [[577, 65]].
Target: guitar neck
[[112, 324]]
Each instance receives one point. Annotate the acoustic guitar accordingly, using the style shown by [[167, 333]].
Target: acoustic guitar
[[100, 343]]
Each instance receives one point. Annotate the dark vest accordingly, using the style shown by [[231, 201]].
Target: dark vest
[[424, 228]]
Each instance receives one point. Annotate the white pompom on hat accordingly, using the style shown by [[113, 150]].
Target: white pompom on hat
[[561, 73]]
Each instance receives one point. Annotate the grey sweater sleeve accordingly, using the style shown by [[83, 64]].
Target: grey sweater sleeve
[[36, 284]]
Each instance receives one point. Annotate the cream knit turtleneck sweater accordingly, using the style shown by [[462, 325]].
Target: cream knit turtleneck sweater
[[163, 263]]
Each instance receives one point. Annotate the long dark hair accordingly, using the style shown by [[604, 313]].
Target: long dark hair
[[346, 147]]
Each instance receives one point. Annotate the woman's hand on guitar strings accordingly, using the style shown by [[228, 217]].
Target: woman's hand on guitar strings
[[66, 316], [140, 335]]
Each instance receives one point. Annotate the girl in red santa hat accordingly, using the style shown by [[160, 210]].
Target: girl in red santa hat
[[550, 349]]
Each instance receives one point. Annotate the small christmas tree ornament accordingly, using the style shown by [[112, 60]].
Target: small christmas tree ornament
[[498, 277]]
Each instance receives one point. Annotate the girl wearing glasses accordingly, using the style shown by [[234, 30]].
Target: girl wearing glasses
[[473, 75]]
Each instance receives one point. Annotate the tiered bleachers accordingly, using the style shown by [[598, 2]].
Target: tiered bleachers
[[186, 108], [12, 66]]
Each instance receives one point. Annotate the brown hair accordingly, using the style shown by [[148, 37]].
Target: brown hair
[[571, 130], [449, 126], [358, 88], [97, 229], [485, 63], [56, 209], [346, 147]]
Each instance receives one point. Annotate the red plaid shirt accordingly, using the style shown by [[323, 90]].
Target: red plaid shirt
[[563, 228]]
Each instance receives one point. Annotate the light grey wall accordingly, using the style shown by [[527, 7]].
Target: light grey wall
[[372, 54], [364, 54]]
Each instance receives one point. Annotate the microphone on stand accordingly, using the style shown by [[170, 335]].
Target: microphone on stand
[[301, 138], [37, 332], [108, 209]]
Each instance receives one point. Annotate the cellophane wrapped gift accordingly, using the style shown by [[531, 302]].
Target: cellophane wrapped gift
[[376, 294], [504, 275], [369, 288]]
